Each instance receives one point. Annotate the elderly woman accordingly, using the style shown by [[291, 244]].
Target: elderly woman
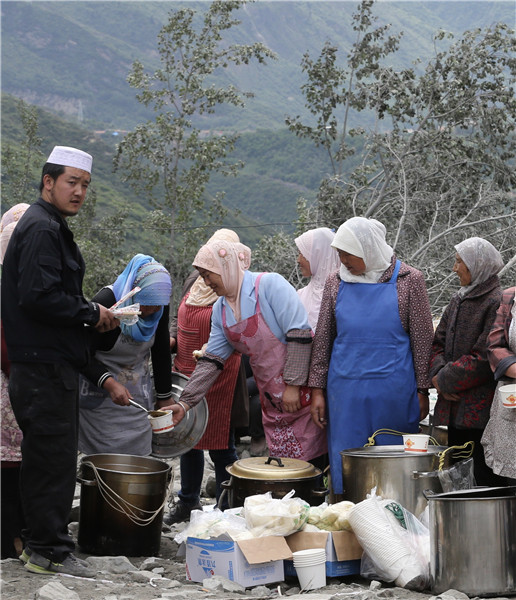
[[459, 366], [260, 315], [317, 259], [120, 369], [500, 432], [369, 368]]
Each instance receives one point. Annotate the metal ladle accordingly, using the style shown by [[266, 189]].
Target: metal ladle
[[131, 401]]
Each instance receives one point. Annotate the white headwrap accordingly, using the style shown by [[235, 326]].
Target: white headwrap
[[364, 238], [482, 259], [315, 246]]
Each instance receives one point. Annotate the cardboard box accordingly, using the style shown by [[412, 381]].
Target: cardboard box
[[248, 562], [343, 552]]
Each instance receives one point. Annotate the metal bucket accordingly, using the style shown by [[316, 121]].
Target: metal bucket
[[396, 474], [121, 506], [473, 541]]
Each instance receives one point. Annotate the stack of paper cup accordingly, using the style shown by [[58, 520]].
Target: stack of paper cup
[[310, 566]]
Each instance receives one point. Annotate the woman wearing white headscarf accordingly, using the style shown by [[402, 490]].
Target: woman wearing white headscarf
[[459, 366], [260, 315], [369, 367], [317, 259]]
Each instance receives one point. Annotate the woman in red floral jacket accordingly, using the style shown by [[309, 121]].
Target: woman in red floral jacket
[[459, 367]]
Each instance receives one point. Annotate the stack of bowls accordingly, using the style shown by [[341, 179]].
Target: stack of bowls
[[310, 566]]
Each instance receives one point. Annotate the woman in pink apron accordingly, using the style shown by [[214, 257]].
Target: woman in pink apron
[[260, 315]]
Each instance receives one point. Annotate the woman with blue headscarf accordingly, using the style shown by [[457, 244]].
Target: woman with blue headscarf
[[120, 367]]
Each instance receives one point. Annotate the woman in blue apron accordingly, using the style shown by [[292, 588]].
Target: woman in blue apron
[[370, 354]]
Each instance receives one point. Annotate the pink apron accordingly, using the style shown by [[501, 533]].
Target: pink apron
[[291, 435]]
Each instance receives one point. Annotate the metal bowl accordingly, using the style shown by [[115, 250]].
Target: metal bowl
[[187, 434]]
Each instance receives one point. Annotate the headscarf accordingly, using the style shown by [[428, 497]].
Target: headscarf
[[230, 260], [364, 238], [315, 246], [200, 294], [8, 223], [156, 288], [482, 259]]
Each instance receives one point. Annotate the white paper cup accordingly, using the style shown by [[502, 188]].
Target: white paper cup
[[161, 420], [415, 442], [310, 567], [508, 395]]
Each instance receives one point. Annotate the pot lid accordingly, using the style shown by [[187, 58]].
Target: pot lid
[[271, 467], [390, 452]]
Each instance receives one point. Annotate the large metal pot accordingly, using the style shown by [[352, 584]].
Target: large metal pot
[[396, 474], [121, 508], [473, 541], [259, 475]]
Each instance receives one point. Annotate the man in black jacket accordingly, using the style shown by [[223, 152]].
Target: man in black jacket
[[45, 314]]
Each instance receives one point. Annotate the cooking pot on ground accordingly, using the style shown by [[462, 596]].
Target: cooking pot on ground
[[473, 541], [121, 504], [259, 475], [396, 474]]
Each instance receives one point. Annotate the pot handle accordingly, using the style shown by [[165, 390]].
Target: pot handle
[[88, 482], [319, 493], [421, 474], [278, 460], [429, 494]]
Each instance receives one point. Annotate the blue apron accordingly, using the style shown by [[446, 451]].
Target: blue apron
[[371, 379]]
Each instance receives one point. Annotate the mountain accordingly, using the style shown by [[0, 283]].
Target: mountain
[[73, 57]]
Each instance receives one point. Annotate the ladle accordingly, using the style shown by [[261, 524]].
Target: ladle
[[131, 401]]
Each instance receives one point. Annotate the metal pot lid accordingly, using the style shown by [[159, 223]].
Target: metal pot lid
[[272, 468], [187, 434], [390, 451]]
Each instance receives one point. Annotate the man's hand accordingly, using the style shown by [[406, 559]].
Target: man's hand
[[107, 320]]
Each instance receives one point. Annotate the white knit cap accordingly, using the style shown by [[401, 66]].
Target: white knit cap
[[70, 157]]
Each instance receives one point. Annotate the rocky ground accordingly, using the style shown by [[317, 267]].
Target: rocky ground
[[164, 577]]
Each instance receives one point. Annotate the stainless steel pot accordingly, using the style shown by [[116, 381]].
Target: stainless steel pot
[[121, 506], [473, 541], [259, 475], [396, 474]]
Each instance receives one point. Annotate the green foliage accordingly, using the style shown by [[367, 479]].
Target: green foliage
[[168, 159], [438, 166]]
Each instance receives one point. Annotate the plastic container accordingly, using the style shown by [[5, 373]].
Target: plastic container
[[416, 442], [310, 565], [161, 421], [508, 395]]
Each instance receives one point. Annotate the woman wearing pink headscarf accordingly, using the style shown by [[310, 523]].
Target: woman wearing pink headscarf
[[317, 259], [260, 315]]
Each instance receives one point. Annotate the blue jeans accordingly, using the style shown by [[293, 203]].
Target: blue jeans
[[192, 471]]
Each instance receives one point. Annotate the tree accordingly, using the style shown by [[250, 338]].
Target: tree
[[437, 161], [169, 158], [100, 240], [20, 164]]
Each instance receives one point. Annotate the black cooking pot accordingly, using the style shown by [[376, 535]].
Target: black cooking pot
[[259, 475]]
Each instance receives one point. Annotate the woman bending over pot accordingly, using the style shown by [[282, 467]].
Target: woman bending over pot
[[260, 315]]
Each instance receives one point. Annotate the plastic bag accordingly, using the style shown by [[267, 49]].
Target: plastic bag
[[206, 525], [128, 314], [266, 515], [332, 517], [459, 476], [396, 544]]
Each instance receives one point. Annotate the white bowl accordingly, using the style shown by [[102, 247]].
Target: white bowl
[[508, 395], [415, 442]]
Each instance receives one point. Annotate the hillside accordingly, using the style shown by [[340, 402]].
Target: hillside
[[73, 57]]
